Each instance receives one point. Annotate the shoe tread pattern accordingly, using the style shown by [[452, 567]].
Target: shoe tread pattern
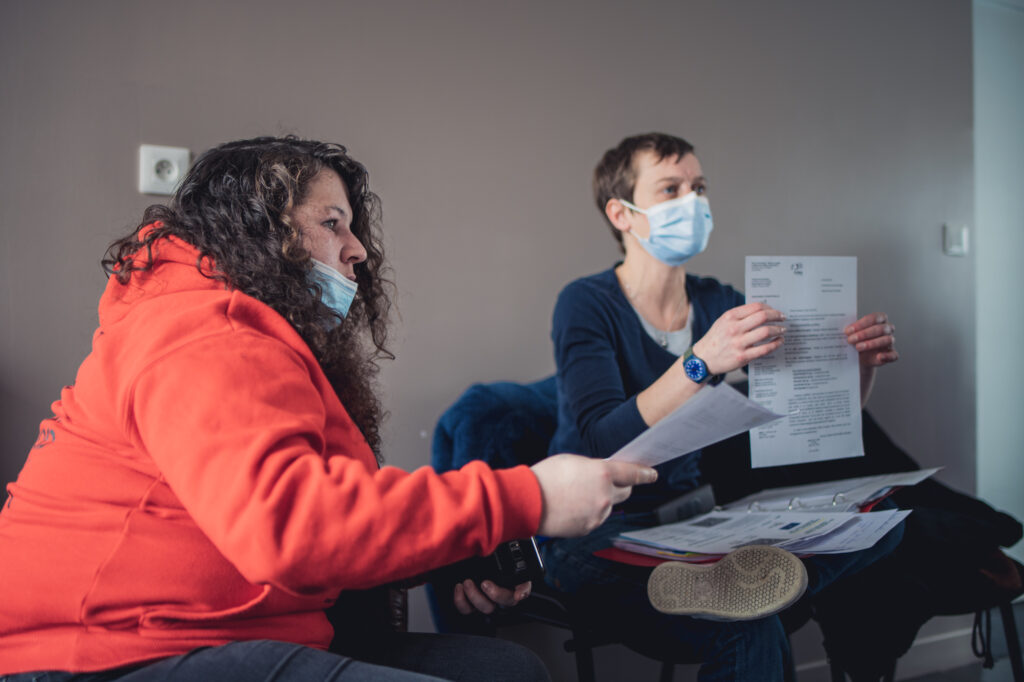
[[751, 582]]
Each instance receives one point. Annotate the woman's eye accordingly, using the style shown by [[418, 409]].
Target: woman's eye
[[700, 189], [670, 189], [330, 224]]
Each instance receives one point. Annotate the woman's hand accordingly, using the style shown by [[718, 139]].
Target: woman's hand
[[873, 336], [486, 597], [740, 335], [578, 492]]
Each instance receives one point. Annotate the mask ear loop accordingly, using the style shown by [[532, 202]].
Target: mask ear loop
[[632, 206], [635, 208]]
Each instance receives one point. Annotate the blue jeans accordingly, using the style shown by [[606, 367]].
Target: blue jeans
[[400, 657], [615, 597]]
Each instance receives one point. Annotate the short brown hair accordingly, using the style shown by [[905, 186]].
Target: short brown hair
[[615, 176]]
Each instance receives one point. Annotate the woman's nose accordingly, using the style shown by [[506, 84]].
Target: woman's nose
[[353, 251]]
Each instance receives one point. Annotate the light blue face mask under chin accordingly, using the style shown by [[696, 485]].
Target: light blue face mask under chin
[[680, 228], [338, 290]]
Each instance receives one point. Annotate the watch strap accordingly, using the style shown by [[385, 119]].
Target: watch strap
[[708, 378]]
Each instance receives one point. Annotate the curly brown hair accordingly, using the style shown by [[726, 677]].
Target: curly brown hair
[[234, 206]]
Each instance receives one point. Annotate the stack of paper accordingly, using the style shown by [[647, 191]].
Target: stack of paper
[[820, 518], [720, 532], [850, 494]]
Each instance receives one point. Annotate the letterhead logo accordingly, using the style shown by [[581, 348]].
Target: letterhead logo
[[797, 268]]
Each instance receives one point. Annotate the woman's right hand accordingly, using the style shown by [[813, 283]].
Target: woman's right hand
[[740, 335], [578, 492]]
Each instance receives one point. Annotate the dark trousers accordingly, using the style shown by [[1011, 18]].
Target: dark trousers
[[745, 650], [397, 657]]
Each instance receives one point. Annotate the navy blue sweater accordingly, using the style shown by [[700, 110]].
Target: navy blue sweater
[[604, 358]]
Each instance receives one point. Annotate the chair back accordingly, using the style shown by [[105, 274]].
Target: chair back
[[502, 423]]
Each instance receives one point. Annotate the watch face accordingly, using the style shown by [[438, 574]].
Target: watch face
[[695, 369]]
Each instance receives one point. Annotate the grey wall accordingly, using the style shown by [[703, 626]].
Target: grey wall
[[825, 128], [999, 176]]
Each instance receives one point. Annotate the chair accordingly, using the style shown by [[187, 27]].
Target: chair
[[506, 424], [980, 597], [380, 610], [982, 636], [949, 563]]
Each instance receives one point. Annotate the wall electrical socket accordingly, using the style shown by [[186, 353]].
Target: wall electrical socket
[[161, 168]]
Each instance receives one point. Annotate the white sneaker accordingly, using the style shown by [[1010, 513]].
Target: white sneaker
[[748, 583]]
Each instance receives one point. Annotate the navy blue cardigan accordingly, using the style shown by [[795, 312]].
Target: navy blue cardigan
[[604, 358]]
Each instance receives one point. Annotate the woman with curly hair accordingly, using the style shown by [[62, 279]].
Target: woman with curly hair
[[212, 481]]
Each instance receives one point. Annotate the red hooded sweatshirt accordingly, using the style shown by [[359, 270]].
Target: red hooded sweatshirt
[[200, 483]]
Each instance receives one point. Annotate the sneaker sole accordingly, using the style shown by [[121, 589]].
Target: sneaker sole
[[748, 583]]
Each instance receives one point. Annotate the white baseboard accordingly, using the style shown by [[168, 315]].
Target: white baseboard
[[946, 645]]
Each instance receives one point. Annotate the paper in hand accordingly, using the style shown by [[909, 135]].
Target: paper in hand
[[714, 414], [814, 377]]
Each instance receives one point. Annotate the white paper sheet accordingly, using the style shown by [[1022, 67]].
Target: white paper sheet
[[714, 414], [814, 378], [847, 494], [720, 532], [860, 533]]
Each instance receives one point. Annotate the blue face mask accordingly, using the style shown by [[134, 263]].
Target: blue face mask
[[680, 228], [338, 290]]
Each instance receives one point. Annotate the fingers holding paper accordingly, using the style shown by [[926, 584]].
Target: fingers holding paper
[[742, 334], [578, 492], [874, 338]]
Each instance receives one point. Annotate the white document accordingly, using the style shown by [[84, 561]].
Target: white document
[[814, 378], [847, 494], [860, 533], [720, 532], [714, 414]]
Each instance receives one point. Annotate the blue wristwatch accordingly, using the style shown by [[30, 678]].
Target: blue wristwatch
[[697, 370]]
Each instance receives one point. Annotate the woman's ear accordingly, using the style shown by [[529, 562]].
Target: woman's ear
[[618, 215]]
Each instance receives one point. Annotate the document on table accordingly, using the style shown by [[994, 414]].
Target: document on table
[[720, 532], [714, 414], [848, 494], [814, 377]]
